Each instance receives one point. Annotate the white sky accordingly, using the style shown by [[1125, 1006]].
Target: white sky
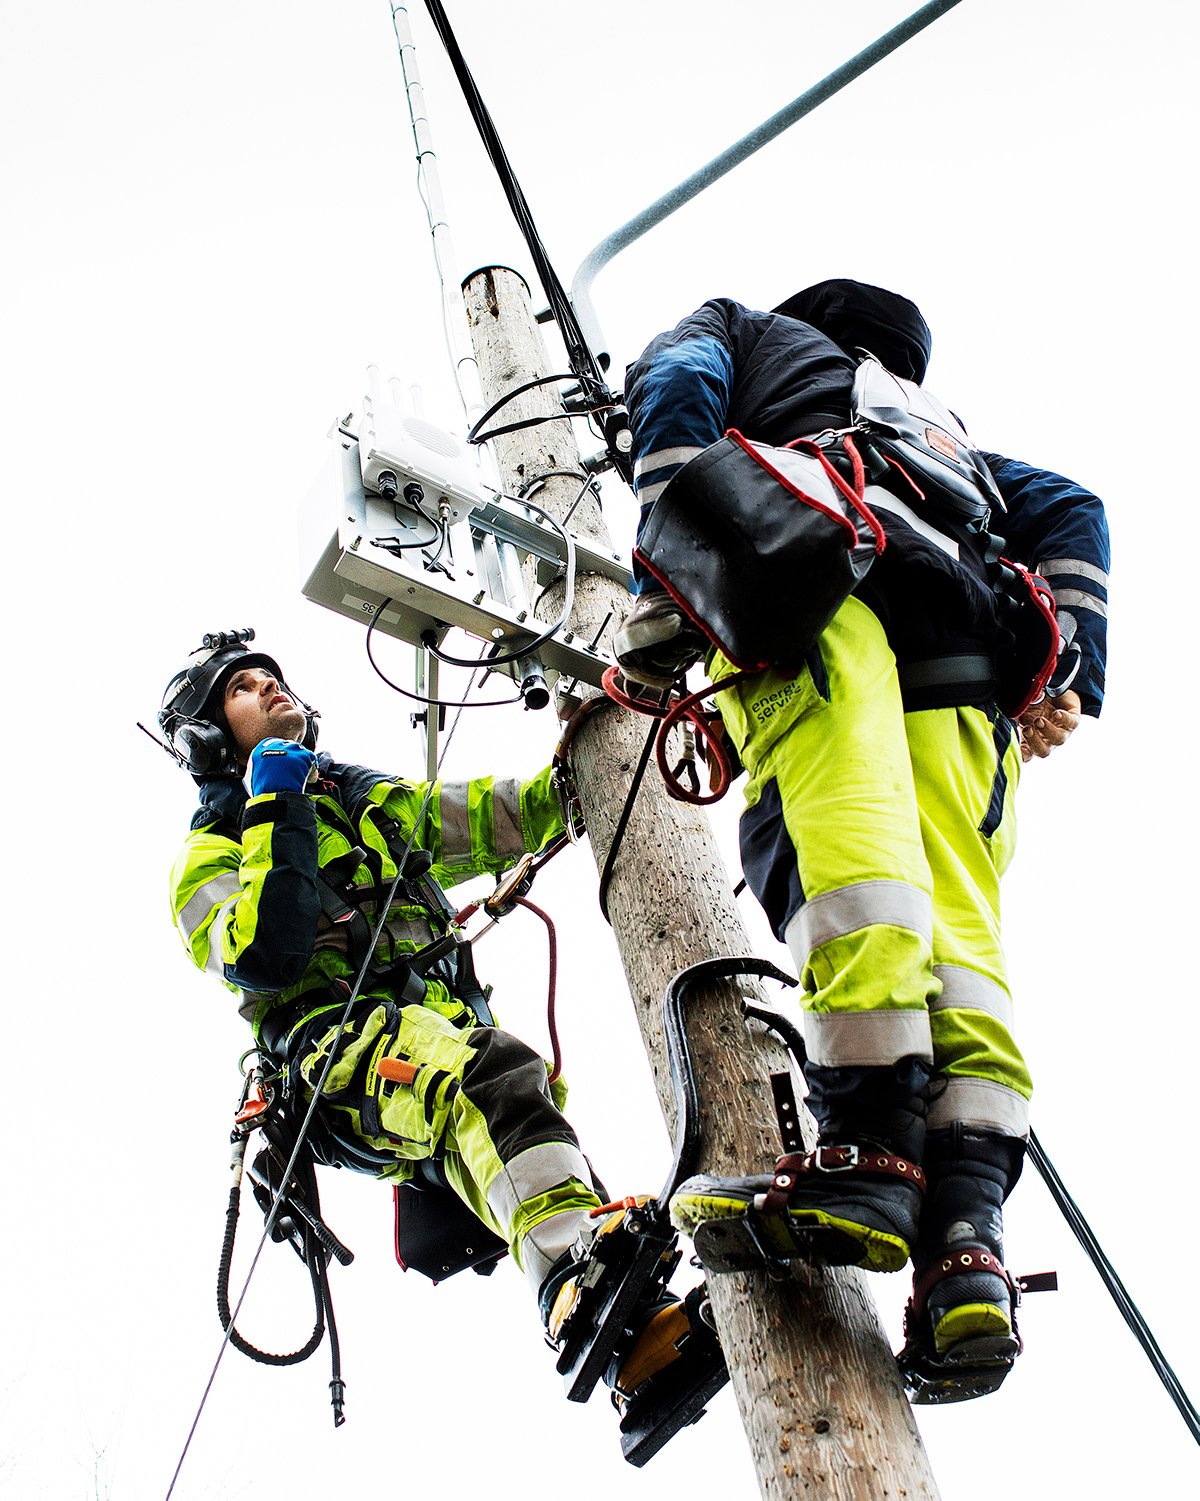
[[213, 228]]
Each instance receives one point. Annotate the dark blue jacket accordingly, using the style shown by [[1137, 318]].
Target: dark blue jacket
[[775, 378]]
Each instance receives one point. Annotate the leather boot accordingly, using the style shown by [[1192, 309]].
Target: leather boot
[[964, 1301], [855, 1201]]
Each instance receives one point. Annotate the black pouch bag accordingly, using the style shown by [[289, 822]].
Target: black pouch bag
[[760, 546], [437, 1234]]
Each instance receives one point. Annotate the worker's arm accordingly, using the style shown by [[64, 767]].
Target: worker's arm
[[478, 827], [1058, 528], [247, 908], [678, 396]]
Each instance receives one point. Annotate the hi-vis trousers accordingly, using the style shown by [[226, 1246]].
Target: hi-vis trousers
[[876, 841], [478, 1100]]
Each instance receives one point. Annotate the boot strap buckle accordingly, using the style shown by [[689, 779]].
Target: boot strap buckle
[[835, 1159]]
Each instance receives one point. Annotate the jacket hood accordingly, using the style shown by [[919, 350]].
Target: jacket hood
[[855, 315]]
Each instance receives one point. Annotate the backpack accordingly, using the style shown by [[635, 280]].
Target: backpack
[[913, 432]]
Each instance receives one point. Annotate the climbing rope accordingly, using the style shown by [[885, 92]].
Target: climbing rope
[[687, 710]]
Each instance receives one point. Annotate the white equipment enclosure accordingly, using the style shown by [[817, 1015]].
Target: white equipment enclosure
[[399, 528]]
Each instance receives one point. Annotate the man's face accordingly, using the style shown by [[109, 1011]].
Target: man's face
[[257, 708]]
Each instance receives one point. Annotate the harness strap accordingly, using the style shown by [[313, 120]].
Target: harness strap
[[467, 987], [952, 1264], [840, 1159], [964, 670]]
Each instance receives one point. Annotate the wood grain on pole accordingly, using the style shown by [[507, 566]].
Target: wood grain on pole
[[820, 1399]]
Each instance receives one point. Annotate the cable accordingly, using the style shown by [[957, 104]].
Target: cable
[[393, 544], [529, 385], [528, 648], [1127, 1308], [610, 859], [516, 427], [579, 354], [440, 703], [551, 990]]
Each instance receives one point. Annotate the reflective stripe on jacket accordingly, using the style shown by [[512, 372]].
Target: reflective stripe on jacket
[[245, 893]]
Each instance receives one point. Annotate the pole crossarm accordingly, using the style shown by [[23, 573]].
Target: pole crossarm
[[620, 239]]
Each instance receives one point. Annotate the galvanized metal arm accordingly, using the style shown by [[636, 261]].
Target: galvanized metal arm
[[613, 244]]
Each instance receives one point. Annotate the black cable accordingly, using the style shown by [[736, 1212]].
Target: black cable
[[579, 355], [527, 648], [394, 545], [496, 406], [611, 858], [441, 533], [439, 703], [516, 427], [1127, 1308]]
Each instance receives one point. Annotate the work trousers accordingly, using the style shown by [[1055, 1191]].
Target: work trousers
[[876, 841], [478, 1101]]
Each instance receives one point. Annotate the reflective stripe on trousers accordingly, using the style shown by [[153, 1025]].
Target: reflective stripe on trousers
[[900, 827], [480, 1102]]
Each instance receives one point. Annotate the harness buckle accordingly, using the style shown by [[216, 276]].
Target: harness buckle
[[848, 1159]]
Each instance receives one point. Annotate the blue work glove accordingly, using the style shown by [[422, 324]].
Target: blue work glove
[[279, 766]]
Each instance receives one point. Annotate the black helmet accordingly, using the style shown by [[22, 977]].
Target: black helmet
[[192, 719]]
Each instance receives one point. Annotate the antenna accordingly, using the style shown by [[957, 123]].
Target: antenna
[[454, 315]]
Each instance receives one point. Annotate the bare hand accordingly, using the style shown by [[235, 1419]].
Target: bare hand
[[1047, 724]]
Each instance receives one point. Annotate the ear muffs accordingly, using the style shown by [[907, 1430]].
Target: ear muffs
[[200, 748]]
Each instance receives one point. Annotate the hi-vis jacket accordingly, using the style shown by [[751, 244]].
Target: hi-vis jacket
[[776, 378], [248, 903]]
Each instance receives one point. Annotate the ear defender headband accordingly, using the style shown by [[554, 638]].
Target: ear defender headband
[[191, 718]]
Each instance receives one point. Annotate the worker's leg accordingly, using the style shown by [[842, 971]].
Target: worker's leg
[[832, 847], [480, 1103], [966, 764]]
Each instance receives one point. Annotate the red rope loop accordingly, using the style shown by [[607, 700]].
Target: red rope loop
[[687, 708]]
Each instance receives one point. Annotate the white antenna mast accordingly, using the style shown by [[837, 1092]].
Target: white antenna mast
[[454, 317]]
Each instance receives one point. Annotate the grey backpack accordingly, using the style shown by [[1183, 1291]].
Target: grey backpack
[[913, 432]]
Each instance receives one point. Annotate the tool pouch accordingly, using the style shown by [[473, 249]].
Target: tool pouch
[[760, 546], [436, 1234]]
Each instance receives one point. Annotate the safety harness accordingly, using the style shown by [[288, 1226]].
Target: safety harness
[[759, 546], [436, 1234]]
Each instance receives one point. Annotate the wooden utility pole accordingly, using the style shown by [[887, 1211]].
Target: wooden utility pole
[[820, 1398]]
